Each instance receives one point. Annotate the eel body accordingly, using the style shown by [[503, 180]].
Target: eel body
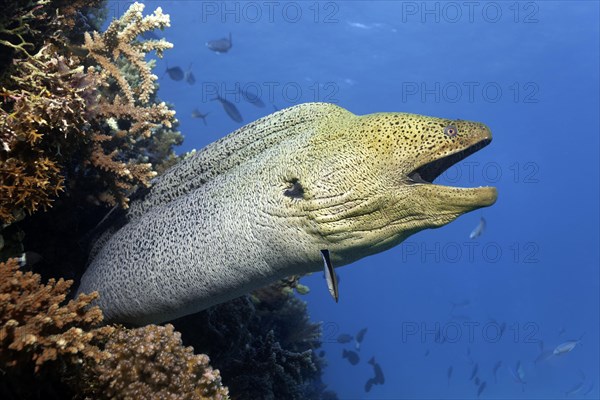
[[261, 203]]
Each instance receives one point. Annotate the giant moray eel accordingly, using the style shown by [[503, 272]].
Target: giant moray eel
[[261, 203]]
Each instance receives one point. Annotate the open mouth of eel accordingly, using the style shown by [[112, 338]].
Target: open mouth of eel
[[429, 172]]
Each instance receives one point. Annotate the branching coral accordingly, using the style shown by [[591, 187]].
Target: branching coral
[[130, 105], [40, 335], [81, 118], [45, 112], [18, 24], [118, 41], [26, 24], [44, 340], [37, 327], [150, 362]]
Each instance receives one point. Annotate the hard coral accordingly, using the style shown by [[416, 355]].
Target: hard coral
[[128, 112], [44, 113], [47, 346], [264, 348], [120, 40], [40, 335], [150, 362], [80, 119], [36, 327]]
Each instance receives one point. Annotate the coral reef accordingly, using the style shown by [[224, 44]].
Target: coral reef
[[42, 116], [79, 113], [40, 336], [150, 362], [49, 349], [264, 345], [81, 129], [32, 103], [80, 125], [129, 113]]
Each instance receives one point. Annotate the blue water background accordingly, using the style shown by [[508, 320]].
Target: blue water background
[[534, 69]]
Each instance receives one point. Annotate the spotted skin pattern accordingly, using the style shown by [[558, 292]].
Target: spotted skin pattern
[[259, 205]]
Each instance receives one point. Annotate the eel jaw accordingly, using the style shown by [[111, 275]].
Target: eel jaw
[[470, 198], [427, 173]]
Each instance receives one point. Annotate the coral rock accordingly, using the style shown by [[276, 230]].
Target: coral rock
[[150, 362], [36, 327]]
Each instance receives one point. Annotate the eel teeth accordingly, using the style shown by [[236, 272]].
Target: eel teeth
[[332, 284]]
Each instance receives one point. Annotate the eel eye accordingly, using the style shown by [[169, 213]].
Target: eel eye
[[294, 189], [450, 131]]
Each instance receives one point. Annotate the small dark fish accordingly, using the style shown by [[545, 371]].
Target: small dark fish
[[251, 98], [198, 114], [426, 352], [361, 335], [175, 73], [189, 76], [77, 50], [495, 370], [379, 378], [449, 374], [322, 353], [351, 356], [230, 109], [481, 389], [518, 375], [475, 369], [344, 338], [220, 45], [369, 385]]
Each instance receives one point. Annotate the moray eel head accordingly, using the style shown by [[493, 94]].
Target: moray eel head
[[363, 184]]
